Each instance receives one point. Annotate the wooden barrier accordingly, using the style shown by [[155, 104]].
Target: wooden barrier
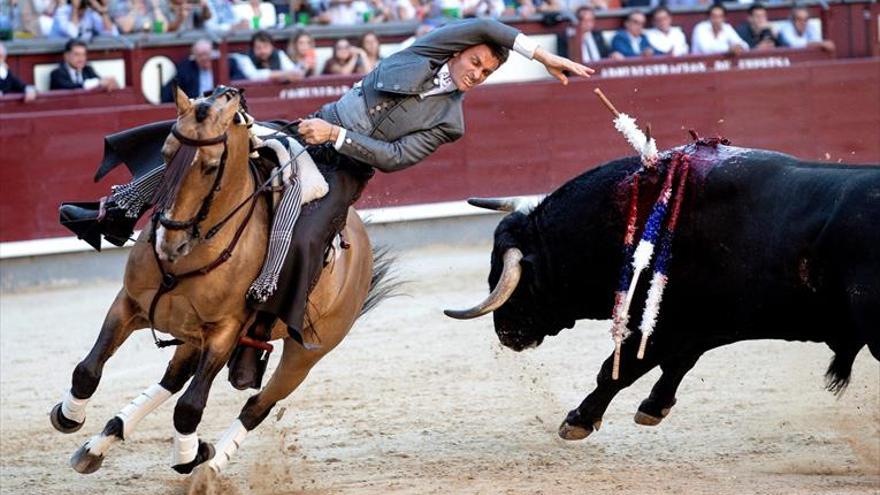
[[521, 138]]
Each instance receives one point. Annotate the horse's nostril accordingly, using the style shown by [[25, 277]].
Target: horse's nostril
[[181, 248]]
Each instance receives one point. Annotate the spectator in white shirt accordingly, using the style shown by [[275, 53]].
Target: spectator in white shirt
[[663, 36], [798, 33], [257, 14], [264, 62], [483, 8], [344, 12], [715, 36]]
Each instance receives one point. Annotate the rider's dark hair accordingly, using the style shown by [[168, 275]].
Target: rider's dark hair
[[499, 52]]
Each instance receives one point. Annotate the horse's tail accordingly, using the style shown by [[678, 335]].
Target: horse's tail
[[383, 283]]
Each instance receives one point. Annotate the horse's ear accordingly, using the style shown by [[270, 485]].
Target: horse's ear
[[181, 100], [230, 109]]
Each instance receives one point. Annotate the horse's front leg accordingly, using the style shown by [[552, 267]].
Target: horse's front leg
[[581, 422], [122, 319], [88, 458], [189, 451]]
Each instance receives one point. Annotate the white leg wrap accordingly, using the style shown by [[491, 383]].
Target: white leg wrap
[[143, 404], [100, 444], [185, 448], [228, 444], [73, 408]]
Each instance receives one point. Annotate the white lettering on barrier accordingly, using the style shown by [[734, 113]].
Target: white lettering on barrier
[[659, 69]]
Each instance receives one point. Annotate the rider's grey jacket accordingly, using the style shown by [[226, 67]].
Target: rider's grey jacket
[[388, 125]]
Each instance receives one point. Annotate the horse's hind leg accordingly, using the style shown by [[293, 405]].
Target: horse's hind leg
[[69, 415], [88, 458], [189, 451], [292, 370]]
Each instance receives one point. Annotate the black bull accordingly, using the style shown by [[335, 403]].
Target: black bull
[[767, 247]]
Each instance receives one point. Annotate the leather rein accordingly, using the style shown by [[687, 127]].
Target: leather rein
[[170, 280]]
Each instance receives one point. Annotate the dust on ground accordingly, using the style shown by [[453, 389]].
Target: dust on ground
[[413, 402]]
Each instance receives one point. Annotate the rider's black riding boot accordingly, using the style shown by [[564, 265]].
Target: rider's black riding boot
[[248, 363], [89, 221]]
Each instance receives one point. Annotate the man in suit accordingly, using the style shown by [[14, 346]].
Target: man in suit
[[195, 75], [400, 113], [9, 84], [75, 73], [631, 40], [593, 46]]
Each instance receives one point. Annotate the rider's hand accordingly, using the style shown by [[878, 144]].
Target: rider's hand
[[315, 131], [556, 64]]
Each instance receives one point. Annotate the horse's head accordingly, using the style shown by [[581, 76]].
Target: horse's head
[[195, 154]]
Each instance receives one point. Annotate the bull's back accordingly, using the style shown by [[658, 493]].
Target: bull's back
[[765, 239]]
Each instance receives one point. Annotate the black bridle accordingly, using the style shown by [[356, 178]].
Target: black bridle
[[192, 224]]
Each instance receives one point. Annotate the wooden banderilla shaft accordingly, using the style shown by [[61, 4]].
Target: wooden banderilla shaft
[[604, 99]]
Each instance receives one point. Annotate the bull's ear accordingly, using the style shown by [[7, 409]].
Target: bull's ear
[[181, 99]]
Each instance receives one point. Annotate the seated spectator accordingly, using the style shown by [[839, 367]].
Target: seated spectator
[[345, 60], [258, 14], [301, 49], [138, 16], [223, 17], [195, 74], [757, 30], [483, 8], [631, 40], [184, 15], [75, 72], [34, 17], [529, 8], [9, 84], [593, 45], [798, 33], [343, 12], [263, 62], [369, 52], [715, 36], [82, 19], [663, 36], [410, 10]]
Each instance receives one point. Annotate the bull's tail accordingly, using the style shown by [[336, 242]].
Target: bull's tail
[[839, 371], [383, 284]]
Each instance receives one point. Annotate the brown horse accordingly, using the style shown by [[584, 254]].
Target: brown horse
[[207, 311]]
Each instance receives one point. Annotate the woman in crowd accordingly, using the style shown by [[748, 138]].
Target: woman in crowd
[[369, 52], [301, 49], [345, 59]]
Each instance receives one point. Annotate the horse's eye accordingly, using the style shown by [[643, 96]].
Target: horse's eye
[[211, 169]]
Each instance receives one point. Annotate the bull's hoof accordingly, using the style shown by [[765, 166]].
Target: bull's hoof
[[61, 423], [645, 419], [205, 453], [84, 462], [570, 431], [651, 414]]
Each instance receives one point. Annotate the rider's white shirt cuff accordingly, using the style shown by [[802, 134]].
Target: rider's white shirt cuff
[[340, 139], [525, 46]]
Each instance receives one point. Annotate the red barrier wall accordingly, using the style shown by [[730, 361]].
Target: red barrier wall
[[521, 138]]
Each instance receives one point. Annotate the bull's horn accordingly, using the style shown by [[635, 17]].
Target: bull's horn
[[497, 204], [502, 292]]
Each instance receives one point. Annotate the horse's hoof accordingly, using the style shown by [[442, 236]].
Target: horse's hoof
[[568, 431], [61, 423], [84, 462], [205, 453], [646, 419]]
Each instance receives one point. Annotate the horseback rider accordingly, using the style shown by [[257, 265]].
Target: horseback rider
[[400, 113]]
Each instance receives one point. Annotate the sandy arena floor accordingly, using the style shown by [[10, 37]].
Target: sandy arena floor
[[413, 402]]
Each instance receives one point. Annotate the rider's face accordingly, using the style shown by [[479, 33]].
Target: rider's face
[[470, 67]]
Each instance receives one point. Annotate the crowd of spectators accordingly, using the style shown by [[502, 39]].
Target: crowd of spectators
[[645, 33], [712, 36]]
